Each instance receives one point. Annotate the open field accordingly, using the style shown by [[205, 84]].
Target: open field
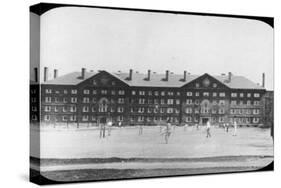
[[126, 143], [80, 154]]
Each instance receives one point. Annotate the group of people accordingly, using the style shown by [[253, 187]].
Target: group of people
[[226, 128], [103, 127], [165, 130]]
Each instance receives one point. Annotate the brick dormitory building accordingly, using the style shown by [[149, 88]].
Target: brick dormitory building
[[135, 98]]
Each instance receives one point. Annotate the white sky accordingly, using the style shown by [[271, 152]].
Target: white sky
[[75, 37]]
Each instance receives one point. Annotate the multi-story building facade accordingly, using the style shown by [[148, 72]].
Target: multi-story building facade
[[134, 98]]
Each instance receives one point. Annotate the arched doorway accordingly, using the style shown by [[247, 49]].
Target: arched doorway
[[205, 111]]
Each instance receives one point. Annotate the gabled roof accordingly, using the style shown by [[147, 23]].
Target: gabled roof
[[156, 80], [73, 78], [239, 82]]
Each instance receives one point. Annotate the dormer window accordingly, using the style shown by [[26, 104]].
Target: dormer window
[[197, 85], [94, 82]]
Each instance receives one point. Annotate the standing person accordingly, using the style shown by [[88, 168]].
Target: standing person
[[167, 132], [140, 129], [119, 124], [109, 126], [185, 126], [208, 129], [235, 128], [197, 126], [226, 127]]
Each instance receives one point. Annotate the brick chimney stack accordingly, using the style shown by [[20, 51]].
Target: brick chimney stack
[[184, 76], [45, 74], [55, 73], [83, 71], [229, 76], [263, 79], [148, 75], [167, 76], [130, 74]]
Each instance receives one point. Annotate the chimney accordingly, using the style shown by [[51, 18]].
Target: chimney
[[36, 74], [167, 75], [55, 73], [229, 76], [148, 75], [45, 74], [263, 79], [184, 76], [130, 74], [83, 73]]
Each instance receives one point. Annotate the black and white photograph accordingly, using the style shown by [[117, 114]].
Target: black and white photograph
[[120, 93]]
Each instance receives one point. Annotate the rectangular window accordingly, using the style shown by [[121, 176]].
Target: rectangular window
[[177, 101], [64, 118], [149, 93], [170, 101], [162, 101], [233, 102], [156, 93], [233, 94], [214, 94], [248, 102], [222, 94], [64, 109], [74, 91], [170, 93], [197, 94], [85, 118], [73, 100], [48, 99], [188, 101], [33, 108], [85, 109], [206, 94], [47, 117], [47, 108], [221, 111], [72, 118], [120, 109], [65, 91], [189, 94], [86, 100], [48, 91], [86, 91], [256, 103], [141, 101], [119, 118], [113, 92], [221, 102], [256, 95], [104, 92], [141, 93], [133, 92], [33, 99], [121, 92], [248, 94], [73, 109], [120, 100], [255, 120], [162, 93], [169, 110], [94, 92], [241, 94], [188, 110]]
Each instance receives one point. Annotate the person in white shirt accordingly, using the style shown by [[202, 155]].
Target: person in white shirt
[[235, 128], [208, 129], [109, 125]]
